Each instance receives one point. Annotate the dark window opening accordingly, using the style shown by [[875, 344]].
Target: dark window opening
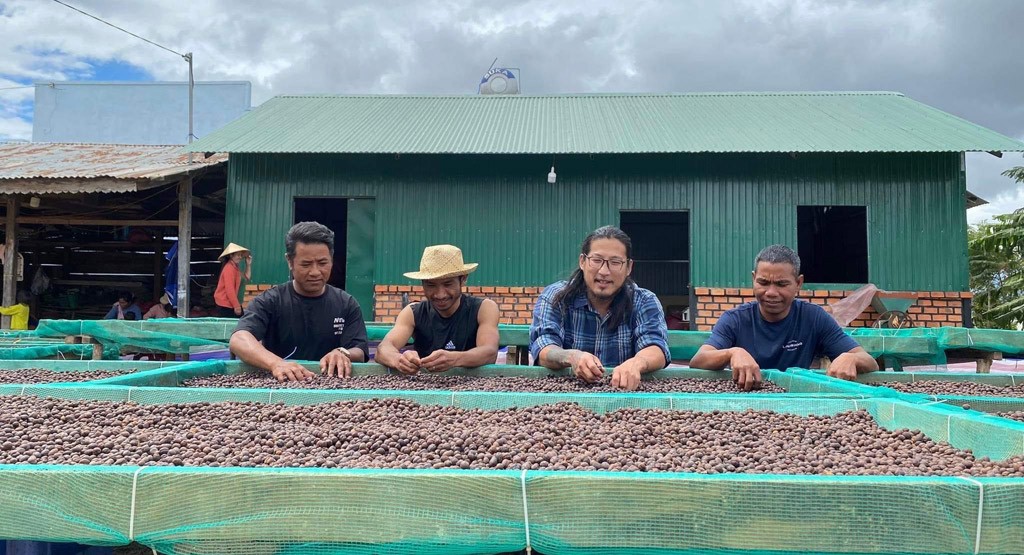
[[333, 213], [832, 242], [661, 259]]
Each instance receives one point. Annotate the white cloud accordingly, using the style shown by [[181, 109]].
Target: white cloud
[[962, 57], [1004, 203]]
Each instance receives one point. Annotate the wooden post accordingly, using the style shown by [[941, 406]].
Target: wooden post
[[184, 245], [10, 257], [158, 275]]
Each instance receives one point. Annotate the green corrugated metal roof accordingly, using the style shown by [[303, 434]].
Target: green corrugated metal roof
[[602, 123]]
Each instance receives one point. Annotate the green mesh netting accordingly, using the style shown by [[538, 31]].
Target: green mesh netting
[[228, 511], [989, 404], [61, 351], [177, 337]]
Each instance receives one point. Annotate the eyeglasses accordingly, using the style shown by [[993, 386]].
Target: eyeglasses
[[595, 263]]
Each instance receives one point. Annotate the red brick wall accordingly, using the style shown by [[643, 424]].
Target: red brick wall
[[515, 304], [932, 308], [252, 290]]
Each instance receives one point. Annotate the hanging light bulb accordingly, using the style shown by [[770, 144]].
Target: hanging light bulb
[[551, 175]]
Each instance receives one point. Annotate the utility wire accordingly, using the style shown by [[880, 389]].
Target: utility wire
[[18, 87], [120, 29]]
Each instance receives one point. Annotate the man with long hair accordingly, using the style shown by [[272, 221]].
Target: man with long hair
[[600, 318]]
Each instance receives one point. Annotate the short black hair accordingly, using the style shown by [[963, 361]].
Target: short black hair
[[126, 295], [309, 233], [778, 254]]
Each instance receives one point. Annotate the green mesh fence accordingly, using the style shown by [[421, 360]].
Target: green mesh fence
[[57, 351], [228, 511], [127, 334]]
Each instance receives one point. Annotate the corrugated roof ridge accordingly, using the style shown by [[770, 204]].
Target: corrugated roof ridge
[[597, 95]]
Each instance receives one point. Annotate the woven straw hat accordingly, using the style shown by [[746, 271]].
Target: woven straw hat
[[440, 262], [231, 249]]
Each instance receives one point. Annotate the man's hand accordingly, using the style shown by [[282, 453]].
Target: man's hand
[[290, 371], [336, 363], [745, 371], [439, 361], [408, 362], [627, 374], [586, 366], [843, 367]]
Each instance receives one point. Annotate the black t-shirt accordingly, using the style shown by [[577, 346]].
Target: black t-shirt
[[305, 328], [455, 333]]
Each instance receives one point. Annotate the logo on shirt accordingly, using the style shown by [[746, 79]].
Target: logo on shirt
[[792, 345], [449, 346], [339, 326]]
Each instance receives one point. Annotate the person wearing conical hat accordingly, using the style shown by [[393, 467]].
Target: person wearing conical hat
[[230, 280], [450, 329]]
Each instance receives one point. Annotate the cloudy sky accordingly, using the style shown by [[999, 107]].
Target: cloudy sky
[[962, 57]]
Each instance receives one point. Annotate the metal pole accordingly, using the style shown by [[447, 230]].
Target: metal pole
[[184, 245], [10, 257], [191, 95]]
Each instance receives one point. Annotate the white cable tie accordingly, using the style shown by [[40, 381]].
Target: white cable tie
[[1013, 382], [453, 399], [131, 516], [23, 386], [526, 512], [970, 343], [270, 397], [856, 405], [671, 404], [949, 430], [130, 394], [981, 507]]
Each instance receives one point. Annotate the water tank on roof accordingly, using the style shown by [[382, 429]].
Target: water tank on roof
[[500, 80]]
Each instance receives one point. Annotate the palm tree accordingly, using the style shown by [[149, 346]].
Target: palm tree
[[997, 267]]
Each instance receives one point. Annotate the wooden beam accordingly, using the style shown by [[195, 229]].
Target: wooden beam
[[10, 257], [184, 245], [70, 220]]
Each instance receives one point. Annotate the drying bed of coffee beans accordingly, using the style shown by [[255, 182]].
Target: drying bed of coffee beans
[[1013, 415], [966, 388], [514, 384], [39, 375], [397, 433]]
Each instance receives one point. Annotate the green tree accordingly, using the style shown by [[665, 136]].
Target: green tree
[[997, 267]]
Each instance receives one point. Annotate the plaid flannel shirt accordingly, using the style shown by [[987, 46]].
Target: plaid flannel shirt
[[581, 327]]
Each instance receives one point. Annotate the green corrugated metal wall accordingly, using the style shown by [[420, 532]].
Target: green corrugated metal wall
[[523, 231]]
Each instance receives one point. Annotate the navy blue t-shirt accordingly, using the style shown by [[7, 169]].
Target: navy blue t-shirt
[[806, 333]]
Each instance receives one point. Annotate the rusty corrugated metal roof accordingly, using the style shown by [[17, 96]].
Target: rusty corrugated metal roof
[[89, 168]]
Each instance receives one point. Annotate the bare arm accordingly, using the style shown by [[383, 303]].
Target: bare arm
[[746, 373], [486, 350], [710, 358], [855, 361], [388, 351], [247, 348]]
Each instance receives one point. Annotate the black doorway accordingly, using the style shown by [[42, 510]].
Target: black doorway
[[661, 258], [333, 213]]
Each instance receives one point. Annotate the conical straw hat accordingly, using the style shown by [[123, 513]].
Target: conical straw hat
[[232, 249], [440, 262]]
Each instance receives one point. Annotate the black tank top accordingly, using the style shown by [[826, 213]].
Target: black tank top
[[455, 333]]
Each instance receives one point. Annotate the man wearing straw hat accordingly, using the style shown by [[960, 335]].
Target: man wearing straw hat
[[230, 280], [450, 329], [305, 318]]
